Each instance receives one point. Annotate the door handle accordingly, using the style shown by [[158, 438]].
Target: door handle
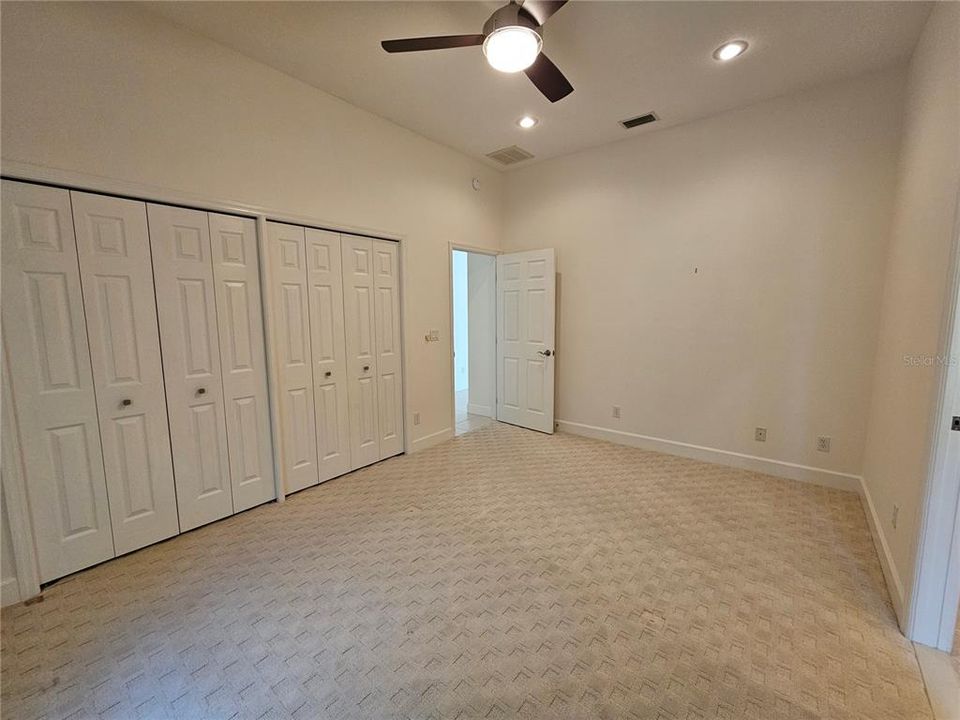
[[327, 373], [201, 391], [545, 353], [366, 368], [126, 402]]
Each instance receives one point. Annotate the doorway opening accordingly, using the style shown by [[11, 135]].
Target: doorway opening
[[474, 278], [933, 620]]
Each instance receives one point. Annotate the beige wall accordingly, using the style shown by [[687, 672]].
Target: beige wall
[[117, 92], [725, 274], [915, 290]]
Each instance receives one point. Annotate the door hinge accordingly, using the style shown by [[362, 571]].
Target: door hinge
[[955, 425]]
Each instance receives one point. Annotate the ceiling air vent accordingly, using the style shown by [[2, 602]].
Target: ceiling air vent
[[510, 155], [639, 120]]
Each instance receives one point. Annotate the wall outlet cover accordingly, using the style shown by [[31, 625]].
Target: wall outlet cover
[[616, 411], [760, 434], [416, 418], [823, 444]]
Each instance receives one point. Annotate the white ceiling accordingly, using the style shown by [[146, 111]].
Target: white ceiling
[[623, 59]]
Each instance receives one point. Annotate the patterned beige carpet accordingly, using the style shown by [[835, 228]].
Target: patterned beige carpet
[[504, 574], [955, 656]]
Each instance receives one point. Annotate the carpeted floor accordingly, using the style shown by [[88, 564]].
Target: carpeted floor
[[502, 574], [956, 646]]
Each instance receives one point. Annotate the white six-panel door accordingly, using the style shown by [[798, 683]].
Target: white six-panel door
[[292, 356], [325, 283], [526, 308], [118, 297], [186, 306], [49, 364], [386, 284], [236, 272], [360, 328]]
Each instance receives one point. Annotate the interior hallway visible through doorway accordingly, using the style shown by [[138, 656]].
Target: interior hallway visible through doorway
[[474, 339]]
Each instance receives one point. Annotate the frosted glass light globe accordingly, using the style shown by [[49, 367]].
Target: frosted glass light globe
[[512, 49]]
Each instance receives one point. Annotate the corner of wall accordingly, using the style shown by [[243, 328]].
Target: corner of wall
[[887, 564]]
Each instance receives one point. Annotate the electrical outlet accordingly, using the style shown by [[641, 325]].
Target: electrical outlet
[[416, 418], [760, 434], [895, 516], [616, 411], [823, 444]]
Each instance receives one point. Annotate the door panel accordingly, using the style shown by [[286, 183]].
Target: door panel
[[52, 380], [325, 282], [118, 293], [386, 263], [131, 439], [183, 272], [526, 297], [236, 272], [288, 276], [359, 324]]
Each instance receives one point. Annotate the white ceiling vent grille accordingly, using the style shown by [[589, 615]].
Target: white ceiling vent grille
[[510, 155]]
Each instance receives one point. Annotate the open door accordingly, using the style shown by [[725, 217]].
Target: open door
[[526, 310]]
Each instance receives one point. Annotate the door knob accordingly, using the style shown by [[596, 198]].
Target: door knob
[[201, 391], [545, 353], [126, 402], [366, 368], [327, 373]]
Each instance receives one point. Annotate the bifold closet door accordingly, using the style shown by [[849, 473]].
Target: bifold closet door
[[53, 392], [362, 373], [298, 459], [386, 285], [183, 271], [236, 272], [118, 298], [325, 284]]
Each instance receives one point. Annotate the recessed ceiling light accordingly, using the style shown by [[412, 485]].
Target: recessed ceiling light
[[730, 50], [527, 122]]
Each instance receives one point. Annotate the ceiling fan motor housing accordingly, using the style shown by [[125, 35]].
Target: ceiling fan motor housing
[[511, 15]]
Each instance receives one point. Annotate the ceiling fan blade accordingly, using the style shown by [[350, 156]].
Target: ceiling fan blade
[[441, 42], [548, 79], [540, 10]]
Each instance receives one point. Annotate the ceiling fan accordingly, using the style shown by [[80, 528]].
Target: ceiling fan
[[512, 39]]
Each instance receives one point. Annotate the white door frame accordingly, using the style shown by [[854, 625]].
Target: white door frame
[[935, 594], [453, 384]]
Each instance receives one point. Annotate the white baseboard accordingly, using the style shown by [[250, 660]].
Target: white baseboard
[[779, 468], [428, 441], [890, 573], [484, 410], [9, 592]]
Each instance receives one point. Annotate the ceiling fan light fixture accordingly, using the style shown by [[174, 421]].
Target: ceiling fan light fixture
[[512, 48]]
